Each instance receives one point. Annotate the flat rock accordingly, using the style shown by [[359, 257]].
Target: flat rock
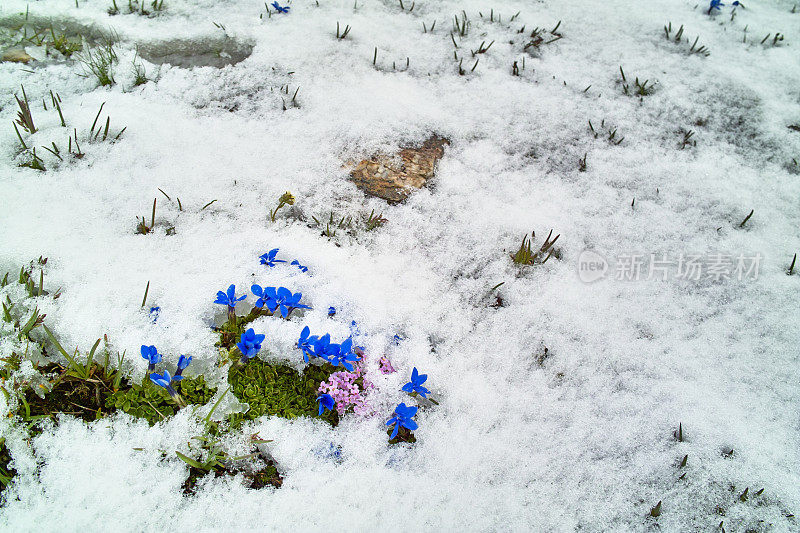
[[16, 55], [395, 178]]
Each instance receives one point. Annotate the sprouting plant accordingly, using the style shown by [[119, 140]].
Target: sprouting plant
[[249, 345], [639, 88], [346, 222], [142, 227], [461, 27], [35, 162], [677, 38], [656, 511], [403, 416], [747, 218], [538, 38], [269, 258], [343, 33], [326, 403], [151, 355], [139, 73], [375, 221], [285, 199], [775, 40], [229, 298], [482, 49], [75, 369], [415, 385], [99, 61], [410, 9], [280, 9], [24, 117], [791, 267], [165, 380], [526, 256], [687, 139], [64, 44], [610, 133]]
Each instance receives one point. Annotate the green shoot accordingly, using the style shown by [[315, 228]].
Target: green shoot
[[285, 199], [747, 218], [24, 117], [526, 256]]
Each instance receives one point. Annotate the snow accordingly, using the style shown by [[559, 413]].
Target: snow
[[582, 440]]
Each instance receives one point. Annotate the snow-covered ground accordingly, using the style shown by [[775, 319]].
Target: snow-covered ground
[[579, 439]]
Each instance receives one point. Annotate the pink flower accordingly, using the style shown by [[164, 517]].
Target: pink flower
[[386, 366], [347, 393]]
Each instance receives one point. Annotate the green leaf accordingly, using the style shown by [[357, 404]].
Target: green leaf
[[191, 462], [58, 345]]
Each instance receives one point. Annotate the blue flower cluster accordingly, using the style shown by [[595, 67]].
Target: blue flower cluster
[[717, 5], [337, 354], [150, 353], [345, 354], [279, 298]]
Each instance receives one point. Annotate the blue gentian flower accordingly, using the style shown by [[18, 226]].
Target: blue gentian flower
[[249, 345], [331, 311], [342, 354], [402, 418], [151, 354], [298, 265], [715, 4], [415, 385], [305, 343], [288, 302], [154, 312], [269, 258], [183, 362], [228, 298], [165, 380], [398, 339], [280, 9], [265, 295], [280, 298], [326, 403], [321, 346]]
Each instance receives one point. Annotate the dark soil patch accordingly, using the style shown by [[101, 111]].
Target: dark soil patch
[[95, 397], [256, 476]]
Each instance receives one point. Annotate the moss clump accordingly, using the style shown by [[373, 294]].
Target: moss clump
[[278, 390], [151, 402]]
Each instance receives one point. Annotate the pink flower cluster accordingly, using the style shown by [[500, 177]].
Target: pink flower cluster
[[346, 392], [386, 366]]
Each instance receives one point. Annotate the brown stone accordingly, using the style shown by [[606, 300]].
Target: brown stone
[[16, 55], [395, 178]]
